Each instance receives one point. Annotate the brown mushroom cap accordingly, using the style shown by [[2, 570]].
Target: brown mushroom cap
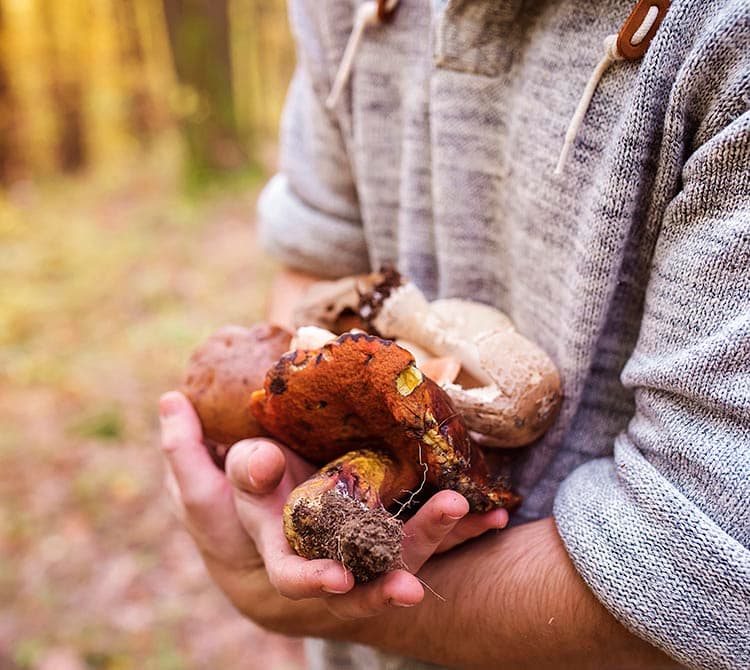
[[222, 374], [508, 388]]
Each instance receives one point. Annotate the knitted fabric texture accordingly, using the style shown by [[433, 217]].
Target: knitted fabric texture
[[632, 268]]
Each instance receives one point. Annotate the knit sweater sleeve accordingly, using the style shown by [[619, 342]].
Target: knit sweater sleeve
[[661, 531], [308, 214]]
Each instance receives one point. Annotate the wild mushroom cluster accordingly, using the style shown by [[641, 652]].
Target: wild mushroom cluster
[[386, 392]]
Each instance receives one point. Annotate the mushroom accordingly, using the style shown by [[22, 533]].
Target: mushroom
[[360, 404], [512, 391], [333, 304], [222, 373]]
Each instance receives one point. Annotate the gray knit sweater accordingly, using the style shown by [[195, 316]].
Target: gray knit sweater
[[632, 268]]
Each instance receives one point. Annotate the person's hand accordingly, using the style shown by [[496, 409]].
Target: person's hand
[[260, 472], [204, 500], [236, 523]]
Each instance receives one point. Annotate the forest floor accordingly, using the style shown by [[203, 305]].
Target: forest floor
[[107, 284]]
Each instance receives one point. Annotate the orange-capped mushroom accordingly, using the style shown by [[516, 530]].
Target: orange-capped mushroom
[[361, 402]]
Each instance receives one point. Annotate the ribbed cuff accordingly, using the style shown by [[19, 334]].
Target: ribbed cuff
[[657, 563], [307, 239]]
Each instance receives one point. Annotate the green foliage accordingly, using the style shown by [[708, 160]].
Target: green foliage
[[27, 652], [167, 656], [107, 425]]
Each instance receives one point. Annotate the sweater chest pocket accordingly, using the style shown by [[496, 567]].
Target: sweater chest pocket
[[473, 50], [475, 36]]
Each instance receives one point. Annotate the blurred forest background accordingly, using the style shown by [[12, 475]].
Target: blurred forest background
[[134, 137]]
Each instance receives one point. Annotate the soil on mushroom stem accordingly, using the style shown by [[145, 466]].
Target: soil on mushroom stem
[[366, 541]]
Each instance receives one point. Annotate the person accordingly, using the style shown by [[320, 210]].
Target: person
[[629, 264]]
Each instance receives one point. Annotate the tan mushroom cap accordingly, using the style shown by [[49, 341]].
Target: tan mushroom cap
[[327, 304], [523, 400]]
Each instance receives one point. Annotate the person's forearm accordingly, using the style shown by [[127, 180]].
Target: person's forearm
[[511, 600], [287, 288]]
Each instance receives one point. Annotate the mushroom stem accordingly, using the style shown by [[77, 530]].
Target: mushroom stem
[[408, 315], [340, 513]]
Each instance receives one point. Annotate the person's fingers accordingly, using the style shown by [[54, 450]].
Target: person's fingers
[[473, 526], [255, 466], [296, 578], [429, 527], [173, 495], [396, 589], [200, 482], [293, 576]]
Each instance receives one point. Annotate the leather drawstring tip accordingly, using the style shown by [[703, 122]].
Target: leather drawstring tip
[[630, 43]]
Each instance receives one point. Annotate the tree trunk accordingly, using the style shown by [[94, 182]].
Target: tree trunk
[[199, 34], [66, 93], [11, 165]]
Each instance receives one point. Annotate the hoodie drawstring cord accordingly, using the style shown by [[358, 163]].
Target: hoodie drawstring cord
[[369, 13], [630, 43], [611, 55]]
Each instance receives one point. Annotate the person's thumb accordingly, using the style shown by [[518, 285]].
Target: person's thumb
[[256, 466]]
